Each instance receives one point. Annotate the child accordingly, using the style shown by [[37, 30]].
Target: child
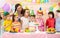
[[25, 19], [50, 23], [8, 22], [58, 21], [16, 25], [40, 20], [32, 26]]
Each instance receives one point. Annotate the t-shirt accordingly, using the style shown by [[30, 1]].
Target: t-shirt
[[50, 23], [25, 22], [8, 23]]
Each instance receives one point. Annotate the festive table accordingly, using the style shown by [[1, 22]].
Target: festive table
[[29, 35]]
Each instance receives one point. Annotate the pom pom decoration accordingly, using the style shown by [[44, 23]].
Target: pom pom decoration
[[6, 13], [6, 7]]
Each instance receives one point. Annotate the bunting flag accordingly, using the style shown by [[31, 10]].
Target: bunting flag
[[41, 1], [38, 1]]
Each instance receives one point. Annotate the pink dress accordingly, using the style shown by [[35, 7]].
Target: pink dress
[[41, 24]]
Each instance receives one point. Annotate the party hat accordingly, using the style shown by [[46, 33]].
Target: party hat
[[6, 13], [32, 12]]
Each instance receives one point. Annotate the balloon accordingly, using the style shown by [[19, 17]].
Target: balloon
[[32, 12], [29, 0], [51, 9], [42, 1], [6, 7]]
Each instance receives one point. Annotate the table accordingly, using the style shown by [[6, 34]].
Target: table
[[29, 35]]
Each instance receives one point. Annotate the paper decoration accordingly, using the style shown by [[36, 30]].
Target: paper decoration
[[41, 1], [51, 9], [38, 1], [29, 0], [6, 7], [32, 12], [46, 1], [33, 1]]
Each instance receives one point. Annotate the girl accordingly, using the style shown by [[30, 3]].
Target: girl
[[40, 20], [58, 21], [50, 23], [25, 19], [16, 25]]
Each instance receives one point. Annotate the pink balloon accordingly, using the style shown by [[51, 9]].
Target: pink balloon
[[6, 7]]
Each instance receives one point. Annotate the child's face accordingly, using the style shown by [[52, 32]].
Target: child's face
[[27, 13], [39, 16], [50, 15], [16, 18], [32, 18], [8, 17]]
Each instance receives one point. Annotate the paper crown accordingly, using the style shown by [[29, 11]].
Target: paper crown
[[5, 13], [40, 12]]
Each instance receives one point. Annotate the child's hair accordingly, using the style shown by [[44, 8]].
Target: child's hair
[[32, 15], [51, 14], [24, 11], [58, 11], [14, 19]]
